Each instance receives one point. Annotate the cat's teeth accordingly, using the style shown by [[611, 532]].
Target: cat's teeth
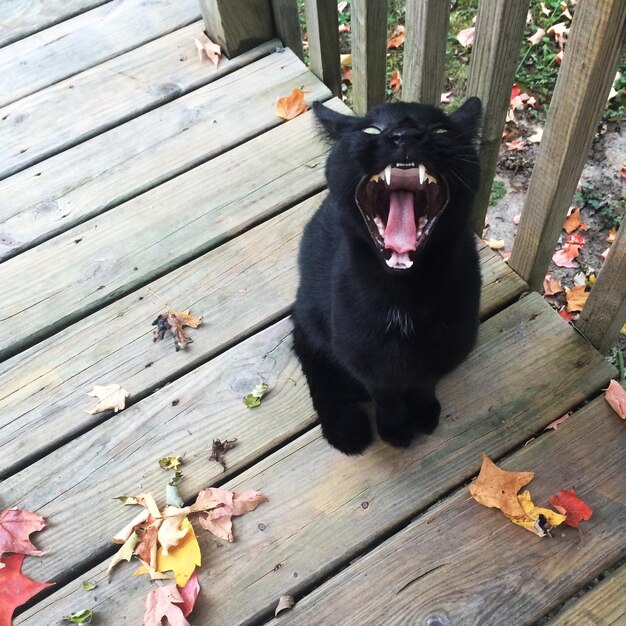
[[422, 222], [377, 177], [388, 174], [379, 225], [422, 172], [430, 178]]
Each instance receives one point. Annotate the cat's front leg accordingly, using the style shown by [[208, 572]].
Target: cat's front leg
[[424, 407], [394, 421]]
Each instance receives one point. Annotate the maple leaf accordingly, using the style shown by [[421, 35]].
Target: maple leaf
[[397, 39], [253, 399], [170, 462], [575, 238], [15, 527], [162, 603], [556, 424], [572, 222], [570, 505], [209, 48], [566, 255], [174, 322], [79, 617], [466, 36], [616, 397], [189, 594], [221, 447], [576, 298], [15, 588], [291, 106], [110, 396], [395, 82], [551, 286], [536, 519], [497, 488]]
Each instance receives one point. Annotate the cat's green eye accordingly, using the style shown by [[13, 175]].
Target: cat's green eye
[[372, 130]]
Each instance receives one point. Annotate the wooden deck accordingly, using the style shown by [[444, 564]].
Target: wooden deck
[[128, 168]]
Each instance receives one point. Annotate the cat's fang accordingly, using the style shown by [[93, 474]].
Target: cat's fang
[[422, 173], [388, 175]]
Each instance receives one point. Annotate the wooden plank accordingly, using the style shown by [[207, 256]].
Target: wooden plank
[[99, 174], [348, 502], [322, 22], [287, 23], [467, 564], [369, 53], [77, 44], [591, 56], [138, 81], [20, 18], [499, 31], [238, 25], [39, 388], [113, 254], [425, 50], [604, 605], [604, 313]]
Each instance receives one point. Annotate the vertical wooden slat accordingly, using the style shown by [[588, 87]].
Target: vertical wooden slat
[[499, 31], [604, 313], [425, 50], [588, 68], [287, 25], [238, 25], [369, 53], [322, 22]]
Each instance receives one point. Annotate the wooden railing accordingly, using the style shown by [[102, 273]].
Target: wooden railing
[[595, 41]]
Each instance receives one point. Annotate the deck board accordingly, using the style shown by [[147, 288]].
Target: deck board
[[136, 82], [77, 44], [469, 564], [80, 183], [313, 534]]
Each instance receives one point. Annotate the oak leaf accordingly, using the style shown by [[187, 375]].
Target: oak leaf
[[572, 221], [15, 588], [616, 397], [536, 519], [220, 448], [174, 322], [15, 527], [570, 505], [162, 603], [110, 396], [189, 594], [397, 39], [576, 298], [551, 286], [497, 488], [291, 106]]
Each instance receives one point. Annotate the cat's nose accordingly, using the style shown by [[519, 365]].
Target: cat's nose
[[405, 135]]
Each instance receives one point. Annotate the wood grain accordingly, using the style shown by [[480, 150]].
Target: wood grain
[[325, 508], [369, 53], [467, 564], [499, 31], [589, 63], [111, 255], [287, 23], [81, 42], [82, 182], [425, 50], [31, 129]]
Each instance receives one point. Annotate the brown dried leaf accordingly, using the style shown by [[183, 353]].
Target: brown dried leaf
[[221, 447], [284, 604], [174, 321], [291, 106]]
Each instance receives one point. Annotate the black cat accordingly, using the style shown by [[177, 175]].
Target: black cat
[[389, 275]]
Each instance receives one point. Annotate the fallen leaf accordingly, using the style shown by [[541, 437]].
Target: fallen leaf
[[284, 604], [576, 298], [505, 255], [344, 28], [622, 172], [220, 448], [572, 222], [146, 548], [559, 57], [515, 145], [495, 244], [545, 9], [540, 33], [183, 559], [556, 424], [247, 501], [125, 552], [576, 238], [616, 397], [611, 236], [565, 315], [346, 74], [79, 617], [110, 396], [15, 527], [189, 594], [560, 32], [172, 495], [291, 106], [170, 462], [516, 218], [345, 60], [162, 603], [570, 505], [580, 279], [172, 530], [537, 136], [123, 535], [154, 574], [88, 585], [466, 36], [341, 6], [397, 39], [174, 322], [551, 286], [536, 519], [605, 254], [566, 255], [219, 523], [209, 48], [497, 488], [395, 82], [253, 399], [445, 97]]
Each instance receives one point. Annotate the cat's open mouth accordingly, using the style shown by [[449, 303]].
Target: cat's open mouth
[[400, 206]]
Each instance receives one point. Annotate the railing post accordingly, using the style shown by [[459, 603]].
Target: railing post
[[499, 31], [426, 29], [589, 65], [604, 312], [369, 53], [287, 25], [238, 25]]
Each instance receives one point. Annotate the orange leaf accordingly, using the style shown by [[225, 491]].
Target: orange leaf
[[570, 505], [616, 397], [565, 315], [576, 238], [497, 488], [291, 106], [396, 82], [397, 39], [551, 286], [612, 235], [572, 221], [566, 255], [576, 298]]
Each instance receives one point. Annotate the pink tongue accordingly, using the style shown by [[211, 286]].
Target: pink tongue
[[400, 232]]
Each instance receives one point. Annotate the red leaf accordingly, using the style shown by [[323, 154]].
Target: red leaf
[[566, 255], [616, 397], [15, 527], [189, 594], [344, 28], [574, 509], [396, 82], [576, 238], [572, 222], [397, 39], [551, 286], [15, 588], [565, 315], [515, 91]]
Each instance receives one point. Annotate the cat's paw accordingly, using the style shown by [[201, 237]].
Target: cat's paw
[[427, 417], [349, 433], [397, 436]]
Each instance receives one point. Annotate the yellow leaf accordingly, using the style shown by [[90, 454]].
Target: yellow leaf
[[531, 520], [576, 298], [186, 319]]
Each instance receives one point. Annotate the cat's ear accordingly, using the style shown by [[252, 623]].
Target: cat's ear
[[469, 115], [332, 123]]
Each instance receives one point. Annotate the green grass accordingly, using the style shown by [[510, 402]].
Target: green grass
[[498, 191]]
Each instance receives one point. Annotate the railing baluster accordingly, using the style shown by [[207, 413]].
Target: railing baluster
[[499, 31], [426, 29], [588, 68], [287, 25]]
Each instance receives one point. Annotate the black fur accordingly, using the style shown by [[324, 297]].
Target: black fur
[[362, 331]]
